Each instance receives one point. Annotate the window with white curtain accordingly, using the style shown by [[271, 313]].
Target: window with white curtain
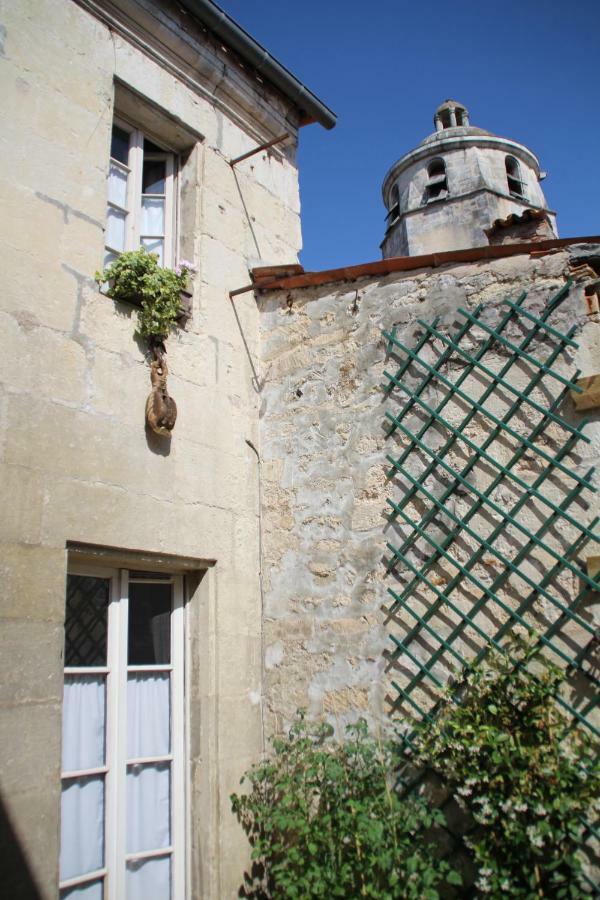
[[123, 781], [140, 196]]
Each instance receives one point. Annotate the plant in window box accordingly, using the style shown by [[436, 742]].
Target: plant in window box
[[161, 294]]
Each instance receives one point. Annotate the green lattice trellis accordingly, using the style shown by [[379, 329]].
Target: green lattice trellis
[[491, 514], [500, 557]]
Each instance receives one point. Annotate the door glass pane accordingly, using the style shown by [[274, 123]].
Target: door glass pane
[[119, 145], [148, 807], [148, 715], [117, 185], [149, 639], [115, 228], [91, 890], [153, 217], [154, 245], [153, 177], [149, 879], [82, 826], [83, 722], [86, 621]]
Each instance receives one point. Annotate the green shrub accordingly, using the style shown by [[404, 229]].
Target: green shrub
[[324, 821], [528, 779]]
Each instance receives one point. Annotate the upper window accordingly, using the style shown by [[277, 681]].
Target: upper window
[[437, 184], [513, 177], [141, 205]]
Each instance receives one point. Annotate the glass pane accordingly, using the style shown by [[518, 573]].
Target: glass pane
[[148, 807], [109, 257], [148, 715], [83, 722], [149, 641], [154, 245], [119, 145], [86, 621], [115, 228], [149, 879], [82, 827], [91, 890], [153, 176], [117, 185], [153, 217]]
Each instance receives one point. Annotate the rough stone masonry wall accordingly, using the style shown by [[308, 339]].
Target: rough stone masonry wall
[[75, 461], [324, 485]]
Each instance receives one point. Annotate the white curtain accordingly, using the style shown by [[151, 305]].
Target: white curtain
[[115, 228], [148, 785], [82, 826], [148, 715], [83, 722], [153, 217], [149, 880], [117, 185], [82, 801], [148, 807]]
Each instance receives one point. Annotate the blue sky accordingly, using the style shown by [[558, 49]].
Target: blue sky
[[527, 70]]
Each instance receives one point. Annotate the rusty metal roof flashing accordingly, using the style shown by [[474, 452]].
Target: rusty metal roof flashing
[[274, 278]]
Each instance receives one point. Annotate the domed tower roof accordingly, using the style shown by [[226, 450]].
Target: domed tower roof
[[445, 193]]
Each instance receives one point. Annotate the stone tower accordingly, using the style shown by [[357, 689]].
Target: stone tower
[[445, 193]]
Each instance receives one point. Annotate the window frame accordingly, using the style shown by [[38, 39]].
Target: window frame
[[115, 767], [394, 210], [133, 212], [514, 177], [437, 181]]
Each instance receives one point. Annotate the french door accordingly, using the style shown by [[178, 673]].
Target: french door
[[123, 772]]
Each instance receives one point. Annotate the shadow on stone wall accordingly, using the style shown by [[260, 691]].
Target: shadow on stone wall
[[17, 880]]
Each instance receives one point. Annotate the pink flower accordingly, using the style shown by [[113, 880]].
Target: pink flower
[[185, 265]]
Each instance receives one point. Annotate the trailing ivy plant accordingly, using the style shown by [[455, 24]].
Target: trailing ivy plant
[[136, 277], [527, 777], [324, 821]]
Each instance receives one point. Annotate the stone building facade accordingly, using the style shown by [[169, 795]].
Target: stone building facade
[[327, 621], [235, 573], [86, 488]]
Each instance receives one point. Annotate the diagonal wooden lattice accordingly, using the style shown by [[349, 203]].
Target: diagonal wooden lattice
[[489, 522]]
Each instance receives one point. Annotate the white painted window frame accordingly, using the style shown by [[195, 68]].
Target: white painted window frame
[[115, 768], [133, 210]]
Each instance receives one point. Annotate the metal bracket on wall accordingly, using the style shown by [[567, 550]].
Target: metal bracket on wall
[[277, 140]]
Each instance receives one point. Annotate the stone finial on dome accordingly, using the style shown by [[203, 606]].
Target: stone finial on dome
[[450, 114]]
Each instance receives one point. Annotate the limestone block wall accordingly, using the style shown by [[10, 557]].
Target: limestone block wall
[[76, 462], [323, 468]]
